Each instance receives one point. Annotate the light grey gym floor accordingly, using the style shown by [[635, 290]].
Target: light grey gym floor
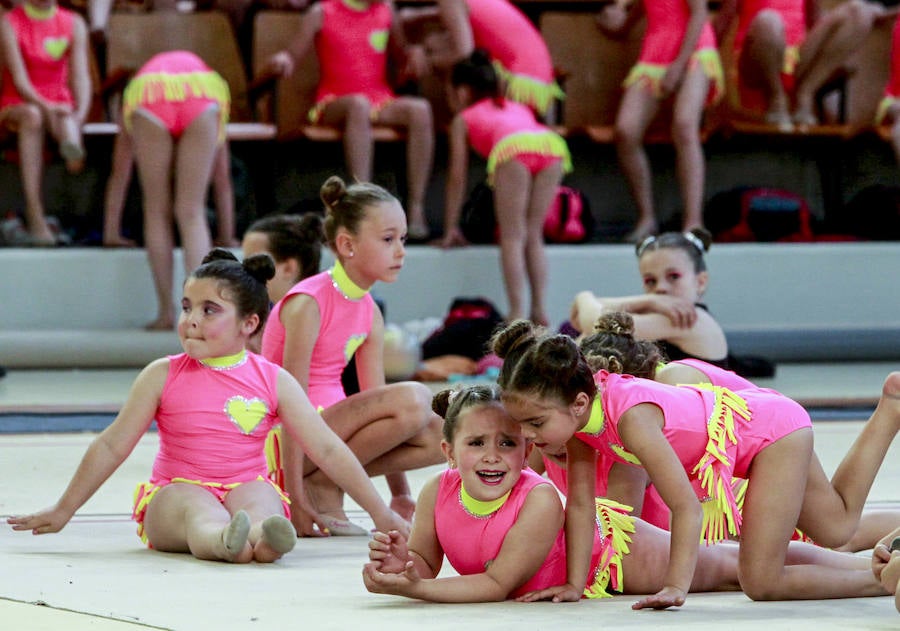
[[95, 574]]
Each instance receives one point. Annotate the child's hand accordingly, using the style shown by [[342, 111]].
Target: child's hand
[[306, 519], [389, 552], [400, 584], [417, 64], [557, 594], [611, 20], [667, 597], [681, 313], [46, 521]]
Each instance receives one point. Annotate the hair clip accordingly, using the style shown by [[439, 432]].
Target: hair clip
[[643, 245], [695, 241]]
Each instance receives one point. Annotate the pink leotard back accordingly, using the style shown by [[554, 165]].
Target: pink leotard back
[[345, 323], [46, 47]]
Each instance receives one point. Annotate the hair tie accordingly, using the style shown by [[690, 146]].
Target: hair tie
[[452, 396], [646, 243], [695, 241]]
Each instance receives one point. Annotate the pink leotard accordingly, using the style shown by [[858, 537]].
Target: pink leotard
[[719, 376], [212, 423], [175, 87], [892, 89], [352, 51], [667, 22], [345, 320], [472, 534], [518, 50], [793, 16], [45, 43], [715, 433], [500, 130]]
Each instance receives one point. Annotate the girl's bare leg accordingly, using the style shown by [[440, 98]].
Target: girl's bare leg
[[761, 62], [194, 155], [544, 186], [389, 429], [690, 163], [778, 476], [512, 187], [26, 120], [116, 192], [153, 152], [353, 113], [224, 199], [636, 111], [873, 525], [832, 509], [188, 518], [271, 534], [415, 115]]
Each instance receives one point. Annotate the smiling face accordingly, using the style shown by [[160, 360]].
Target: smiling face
[[670, 271], [489, 451], [208, 325], [550, 426], [377, 249]]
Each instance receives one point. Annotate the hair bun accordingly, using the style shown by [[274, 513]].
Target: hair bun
[[218, 254], [616, 323], [511, 337], [260, 266], [332, 191], [440, 403]]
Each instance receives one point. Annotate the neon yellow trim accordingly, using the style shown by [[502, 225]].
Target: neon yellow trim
[[480, 508], [229, 361], [356, 5], [343, 283], [39, 13], [595, 423], [156, 86], [720, 516], [791, 58], [650, 75], [614, 524], [883, 106], [544, 142], [528, 90], [624, 454]]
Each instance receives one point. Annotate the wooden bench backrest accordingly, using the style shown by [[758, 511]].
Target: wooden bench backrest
[[133, 38]]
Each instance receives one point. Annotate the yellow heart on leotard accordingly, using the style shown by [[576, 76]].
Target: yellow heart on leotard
[[246, 413], [378, 40], [56, 47]]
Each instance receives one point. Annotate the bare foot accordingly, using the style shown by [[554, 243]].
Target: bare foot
[[234, 536], [641, 231], [324, 495], [780, 119], [890, 399], [73, 155], [118, 242]]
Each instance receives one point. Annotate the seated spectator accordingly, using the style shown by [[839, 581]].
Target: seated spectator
[[352, 42], [46, 89]]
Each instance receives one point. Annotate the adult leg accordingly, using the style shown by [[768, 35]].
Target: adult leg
[[690, 163], [26, 120], [544, 187], [636, 111], [187, 518], [832, 509], [830, 42], [414, 114], [353, 113], [271, 534], [194, 155], [777, 477], [512, 186], [153, 153], [761, 62], [389, 429]]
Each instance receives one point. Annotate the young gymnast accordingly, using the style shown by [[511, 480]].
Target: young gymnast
[[886, 564], [678, 61], [786, 50], [352, 38], [319, 326], [692, 441], [213, 406], [175, 109], [45, 89], [525, 164], [500, 526], [675, 278]]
